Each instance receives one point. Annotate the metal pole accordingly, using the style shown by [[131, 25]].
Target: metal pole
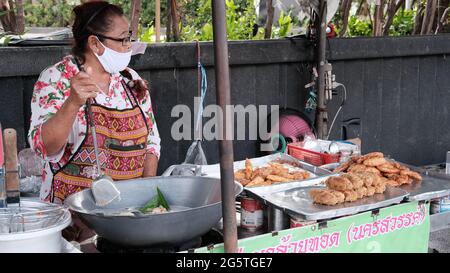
[[321, 115], [225, 145]]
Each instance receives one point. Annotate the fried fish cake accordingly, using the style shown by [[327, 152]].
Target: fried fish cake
[[350, 195], [414, 175], [380, 188], [370, 191], [361, 192], [324, 197], [356, 168], [369, 155], [374, 161], [343, 167], [388, 168], [357, 182], [339, 183]]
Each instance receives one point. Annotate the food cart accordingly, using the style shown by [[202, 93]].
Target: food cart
[[398, 220]]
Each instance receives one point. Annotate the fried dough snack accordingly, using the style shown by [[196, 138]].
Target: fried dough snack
[[339, 183], [395, 174], [275, 172]]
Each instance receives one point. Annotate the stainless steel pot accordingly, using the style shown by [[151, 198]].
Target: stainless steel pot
[[196, 202]]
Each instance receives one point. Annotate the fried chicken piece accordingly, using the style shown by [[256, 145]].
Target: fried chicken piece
[[300, 175], [257, 181], [374, 161], [388, 168], [277, 178], [357, 182], [339, 183], [263, 172], [414, 175], [244, 182], [356, 168], [248, 169], [369, 155], [350, 195], [239, 175], [370, 191]]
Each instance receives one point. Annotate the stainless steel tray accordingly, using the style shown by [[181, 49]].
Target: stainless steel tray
[[214, 170], [429, 188], [296, 201]]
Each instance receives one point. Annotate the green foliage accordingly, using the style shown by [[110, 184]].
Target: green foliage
[[49, 13], [357, 27], [403, 23], [285, 26]]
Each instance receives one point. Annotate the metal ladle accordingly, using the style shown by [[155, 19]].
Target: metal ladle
[[103, 188]]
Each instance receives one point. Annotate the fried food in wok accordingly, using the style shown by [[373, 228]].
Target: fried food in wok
[[275, 172], [391, 173]]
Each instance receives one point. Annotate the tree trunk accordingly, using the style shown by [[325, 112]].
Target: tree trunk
[[20, 17], [269, 21], [169, 22], [7, 16], [135, 15], [175, 20], [418, 20], [392, 10], [442, 6], [378, 18], [428, 19], [346, 5]]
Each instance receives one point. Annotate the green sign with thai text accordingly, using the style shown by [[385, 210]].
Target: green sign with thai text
[[395, 229]]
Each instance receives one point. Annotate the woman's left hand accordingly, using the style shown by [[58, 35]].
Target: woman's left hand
[[140, 87]]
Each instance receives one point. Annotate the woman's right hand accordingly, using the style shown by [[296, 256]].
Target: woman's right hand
[[82, 87]]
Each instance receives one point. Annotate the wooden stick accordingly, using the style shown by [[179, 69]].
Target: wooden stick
[[158, 20], [11, 166]]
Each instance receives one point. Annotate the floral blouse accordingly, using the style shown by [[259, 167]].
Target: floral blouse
[[50, 92]]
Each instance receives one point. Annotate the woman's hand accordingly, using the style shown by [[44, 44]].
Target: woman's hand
[[82, 87], [140, 87]]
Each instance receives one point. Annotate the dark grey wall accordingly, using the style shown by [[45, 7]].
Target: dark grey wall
[[266, 73], [399, 87]]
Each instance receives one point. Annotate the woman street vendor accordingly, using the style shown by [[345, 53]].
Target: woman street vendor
[[127, 135]]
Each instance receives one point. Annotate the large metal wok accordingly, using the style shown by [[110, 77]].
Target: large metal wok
[[199, 199]]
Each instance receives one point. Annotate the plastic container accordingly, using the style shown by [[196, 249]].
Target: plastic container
[[312, 157]]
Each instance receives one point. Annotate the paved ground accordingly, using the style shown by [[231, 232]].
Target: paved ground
[[440, 241]]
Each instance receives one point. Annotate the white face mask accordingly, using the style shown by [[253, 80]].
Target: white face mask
[[112, 61]]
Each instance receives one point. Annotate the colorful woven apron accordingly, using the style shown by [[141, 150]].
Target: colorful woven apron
[[122, 140]]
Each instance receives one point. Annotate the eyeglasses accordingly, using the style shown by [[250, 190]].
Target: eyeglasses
[[125, 41]]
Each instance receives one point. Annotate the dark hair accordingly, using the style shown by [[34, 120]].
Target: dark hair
[[91, 18]]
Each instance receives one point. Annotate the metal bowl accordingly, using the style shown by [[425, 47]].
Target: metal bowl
[[198, 200]]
